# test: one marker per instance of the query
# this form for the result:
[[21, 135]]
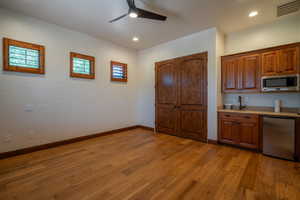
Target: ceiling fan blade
[[131, 3], [118, 18], [150, 15]]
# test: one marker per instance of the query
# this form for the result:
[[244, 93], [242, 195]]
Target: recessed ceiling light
[[253, 14], [133, 15], [135, 39]]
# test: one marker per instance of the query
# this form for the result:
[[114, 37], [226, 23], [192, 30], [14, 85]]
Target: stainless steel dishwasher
[[279, 137]]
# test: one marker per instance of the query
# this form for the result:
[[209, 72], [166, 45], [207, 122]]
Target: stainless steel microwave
[[280, 83]]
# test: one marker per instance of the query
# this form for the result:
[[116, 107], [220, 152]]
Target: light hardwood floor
[[139, 165]]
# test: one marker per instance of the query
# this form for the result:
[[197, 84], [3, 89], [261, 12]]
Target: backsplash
[[291, 100]]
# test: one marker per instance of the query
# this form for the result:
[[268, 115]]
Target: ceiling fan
[[135, 12]]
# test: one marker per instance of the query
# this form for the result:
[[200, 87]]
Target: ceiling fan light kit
[[135, 12]]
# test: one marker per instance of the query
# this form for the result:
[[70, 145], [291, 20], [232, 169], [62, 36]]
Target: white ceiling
[[184, 17]]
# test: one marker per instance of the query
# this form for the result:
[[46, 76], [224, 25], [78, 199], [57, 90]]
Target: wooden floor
[[139, 165]]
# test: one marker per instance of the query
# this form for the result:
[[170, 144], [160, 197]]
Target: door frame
[[205, 54]]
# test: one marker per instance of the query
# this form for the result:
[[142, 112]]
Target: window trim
[[10, 42], [85, 57], [124, 66]]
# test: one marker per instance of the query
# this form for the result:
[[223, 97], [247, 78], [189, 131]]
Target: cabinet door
[[269, 63], [248, 135], [250, 76], [166, 97], [229, 74], [228, 131], [288, 61]]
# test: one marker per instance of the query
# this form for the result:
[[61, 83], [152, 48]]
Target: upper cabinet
[[280, 62], [269, 63], [229, 74], [242, 72], [289, 60]]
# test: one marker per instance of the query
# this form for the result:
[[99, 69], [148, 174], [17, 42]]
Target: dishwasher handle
[[278, 117]]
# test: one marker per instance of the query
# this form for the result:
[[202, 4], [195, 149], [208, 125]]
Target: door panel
[[193, 95], [251, 72], [167, 119], [289, 61], [229, 73], [269, 63], [248, 135], [166, 97], [193, 124], [227, 131], [166, 84], [191, 80]]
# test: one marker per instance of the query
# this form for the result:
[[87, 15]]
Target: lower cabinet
[[240, 130]]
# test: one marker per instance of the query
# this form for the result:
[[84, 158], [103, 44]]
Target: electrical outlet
[[28, 108]]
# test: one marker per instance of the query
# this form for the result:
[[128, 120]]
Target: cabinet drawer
[[240, 117]]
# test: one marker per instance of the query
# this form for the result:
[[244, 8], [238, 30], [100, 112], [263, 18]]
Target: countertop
[[263, 111]]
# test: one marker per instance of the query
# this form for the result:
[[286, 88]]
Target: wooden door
[[228, 131], [181, 97], [230, 74], [250, 76], [248, 135], [192, 101], [166, 97], [288, 61], [269, 63]]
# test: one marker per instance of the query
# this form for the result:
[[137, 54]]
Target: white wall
[[63, 108], [283, 31], [196, 43]]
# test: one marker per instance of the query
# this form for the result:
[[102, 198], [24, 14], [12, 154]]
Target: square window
[[23, 57], [82, 66], [118, 71]]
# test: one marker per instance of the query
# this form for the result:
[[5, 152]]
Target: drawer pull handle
[[227, 116], [247, 117]]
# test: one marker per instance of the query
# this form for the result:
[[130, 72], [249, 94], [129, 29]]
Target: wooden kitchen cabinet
[[239, 129], [230, 74], [269, 63], [289, 61], [241, 74], [281, 62]]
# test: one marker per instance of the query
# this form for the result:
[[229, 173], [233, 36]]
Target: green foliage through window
[[81, 66], [23, 57]]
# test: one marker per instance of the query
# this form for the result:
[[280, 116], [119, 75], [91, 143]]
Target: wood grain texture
[[6, 67], [181, 96], [269, 63], [241, 130], [289, 61], [241, 73], [251, 73], [139, 165], [64, 142]]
